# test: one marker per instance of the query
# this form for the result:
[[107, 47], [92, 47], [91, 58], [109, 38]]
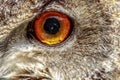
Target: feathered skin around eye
[[92, 52]]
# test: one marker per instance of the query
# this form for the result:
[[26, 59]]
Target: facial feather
[[92, 51]]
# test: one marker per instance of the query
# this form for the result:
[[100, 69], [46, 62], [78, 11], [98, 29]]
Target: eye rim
[[32, 36]]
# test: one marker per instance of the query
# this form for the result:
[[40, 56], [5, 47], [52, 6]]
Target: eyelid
[[30, 31]]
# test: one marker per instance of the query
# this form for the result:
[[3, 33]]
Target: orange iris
[[52, 27]]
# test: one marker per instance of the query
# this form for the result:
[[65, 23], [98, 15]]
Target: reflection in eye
[[52, 27]]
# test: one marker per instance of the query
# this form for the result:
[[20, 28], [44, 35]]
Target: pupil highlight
[[51, 25]]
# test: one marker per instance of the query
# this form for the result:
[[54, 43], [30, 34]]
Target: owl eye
[[52, 27]]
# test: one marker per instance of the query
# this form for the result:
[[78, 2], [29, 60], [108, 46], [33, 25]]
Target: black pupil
[[51, 25]]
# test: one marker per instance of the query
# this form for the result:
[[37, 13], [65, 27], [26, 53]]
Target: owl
[[59, 40]]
